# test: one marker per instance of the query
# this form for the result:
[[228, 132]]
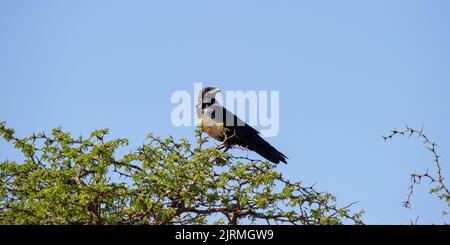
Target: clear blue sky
[[347, 72]]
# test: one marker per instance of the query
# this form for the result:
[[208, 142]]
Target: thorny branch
[[437, 178]]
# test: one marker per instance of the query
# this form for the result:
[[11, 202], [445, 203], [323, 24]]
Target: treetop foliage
[[85, 180]]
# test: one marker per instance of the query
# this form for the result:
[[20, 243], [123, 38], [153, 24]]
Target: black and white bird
[[226, 127]]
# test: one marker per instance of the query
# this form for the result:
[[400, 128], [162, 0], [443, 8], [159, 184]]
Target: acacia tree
[[74, 180]]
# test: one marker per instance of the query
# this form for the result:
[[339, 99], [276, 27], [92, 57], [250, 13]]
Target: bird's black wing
[[240, 133]]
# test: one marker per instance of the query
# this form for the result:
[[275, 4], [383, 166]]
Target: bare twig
[[437, 178]]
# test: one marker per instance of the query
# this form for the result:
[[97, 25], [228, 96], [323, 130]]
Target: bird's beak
[[216, 90]]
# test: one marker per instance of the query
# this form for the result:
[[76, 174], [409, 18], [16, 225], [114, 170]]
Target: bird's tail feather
[[266, 150]]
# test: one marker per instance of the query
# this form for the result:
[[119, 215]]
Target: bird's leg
[[224, 142], [223, 145]]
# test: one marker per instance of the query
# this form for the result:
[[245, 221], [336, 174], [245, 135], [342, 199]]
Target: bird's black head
[[207, 95]]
